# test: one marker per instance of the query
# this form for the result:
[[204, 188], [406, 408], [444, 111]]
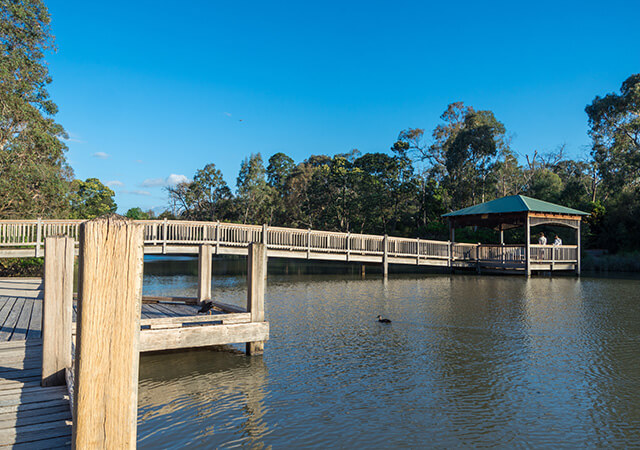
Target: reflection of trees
[[201, 398]]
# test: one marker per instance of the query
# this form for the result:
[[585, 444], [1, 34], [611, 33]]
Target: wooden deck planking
[[21, 318], [35, 324], [22, 325], [30, 416], [12, 319], [6, 305]]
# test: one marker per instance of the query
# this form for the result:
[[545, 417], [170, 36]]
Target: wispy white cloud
[[228, 114], [139, 161], [145, 193], [154, 182], [171, 180], [101, 155], [114, 183]]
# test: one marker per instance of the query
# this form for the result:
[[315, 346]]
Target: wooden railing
[[31, 234], [555, 253]]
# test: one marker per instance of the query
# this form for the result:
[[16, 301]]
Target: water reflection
[[195, 398], [467, 361]]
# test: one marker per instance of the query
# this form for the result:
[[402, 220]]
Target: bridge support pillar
[[385, 256], [204, 272], [527, 234], [256, 284], [578, 249]]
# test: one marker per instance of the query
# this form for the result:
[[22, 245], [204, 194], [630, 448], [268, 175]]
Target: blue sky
[[149, 92]]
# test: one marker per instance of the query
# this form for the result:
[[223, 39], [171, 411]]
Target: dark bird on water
[[206, 307], [381, 320]]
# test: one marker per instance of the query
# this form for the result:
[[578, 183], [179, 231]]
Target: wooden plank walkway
[[31, 417], [34, 417]]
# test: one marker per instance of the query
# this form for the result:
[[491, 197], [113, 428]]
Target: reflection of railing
[[31, 234]]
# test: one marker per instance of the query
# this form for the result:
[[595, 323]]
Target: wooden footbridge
[[25, 238]]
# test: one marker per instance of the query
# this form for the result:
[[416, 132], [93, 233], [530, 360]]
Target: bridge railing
[[31, 234], [555, 253]]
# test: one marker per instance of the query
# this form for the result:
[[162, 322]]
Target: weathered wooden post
[[107, 350], [58, 307], [348, 247], [204, 272], [164, 236], [527, 234], [256, 281], [38, 237], [578, 249], [217, 237], [385, 256]]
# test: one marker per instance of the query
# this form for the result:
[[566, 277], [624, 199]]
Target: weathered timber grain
[[204, 272], [58, 306], [256, 283], [107, 350], [192, 337]]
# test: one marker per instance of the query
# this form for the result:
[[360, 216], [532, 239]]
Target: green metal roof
[[515, 203]]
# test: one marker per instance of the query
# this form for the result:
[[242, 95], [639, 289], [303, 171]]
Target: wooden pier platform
[[36, 417], [31, 416]]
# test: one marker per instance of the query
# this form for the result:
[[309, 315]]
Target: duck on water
[[381, 320]]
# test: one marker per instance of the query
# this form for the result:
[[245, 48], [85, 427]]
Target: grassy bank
[[21, 267], [620, 262]]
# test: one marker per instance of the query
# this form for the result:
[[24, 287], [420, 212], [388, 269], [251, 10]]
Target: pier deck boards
[[36, 417], [31, 416]]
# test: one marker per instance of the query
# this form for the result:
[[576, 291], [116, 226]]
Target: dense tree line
[[466, 160]]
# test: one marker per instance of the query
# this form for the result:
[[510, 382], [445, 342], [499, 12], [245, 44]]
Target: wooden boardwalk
[[31, 416]]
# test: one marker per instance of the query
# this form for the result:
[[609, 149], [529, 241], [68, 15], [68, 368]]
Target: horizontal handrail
[[32, 232]]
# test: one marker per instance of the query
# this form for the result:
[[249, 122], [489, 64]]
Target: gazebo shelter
[[512, 212]]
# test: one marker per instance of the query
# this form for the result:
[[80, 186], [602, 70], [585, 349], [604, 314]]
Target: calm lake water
[[468, 361]]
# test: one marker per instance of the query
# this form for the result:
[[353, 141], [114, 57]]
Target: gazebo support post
[[452, 243], [579, 248], [527, 233], [502, 244]]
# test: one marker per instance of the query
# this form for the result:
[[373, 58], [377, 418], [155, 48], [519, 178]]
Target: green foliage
[[254, 194], [137, 214], [614, 127], [22, 267], [90, 199], [35, 175]]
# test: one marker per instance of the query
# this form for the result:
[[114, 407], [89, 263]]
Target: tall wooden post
[[204, 272], [256, 281], [164, 236], [578, 243], [107, 350], [527, 234], [38, 237], [452, 243], [385, 256], [58, 307]]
